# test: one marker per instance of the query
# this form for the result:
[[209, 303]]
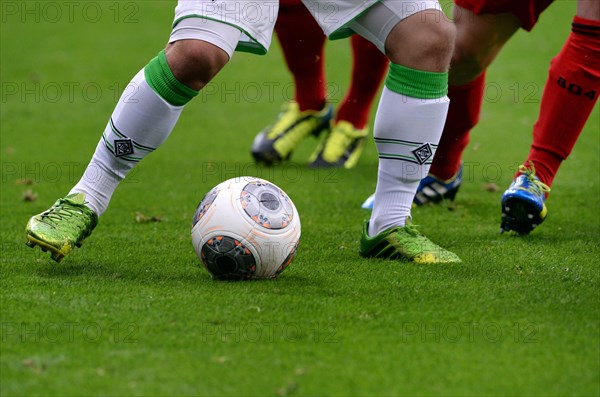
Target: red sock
[[302, 42], [463, 114], [570, 93], [368, 70]]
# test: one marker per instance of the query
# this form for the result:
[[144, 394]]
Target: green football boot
[[342, 147], [64, 225], [405, 243], [277, 141]]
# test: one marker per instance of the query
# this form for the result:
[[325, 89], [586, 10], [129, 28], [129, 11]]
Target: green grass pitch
[[132, 313]]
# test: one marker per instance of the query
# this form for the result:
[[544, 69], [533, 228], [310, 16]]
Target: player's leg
[[569, 97], [479, 39], [344, 144], [302, 43], [143, 118], [408, 124], [483, 28]]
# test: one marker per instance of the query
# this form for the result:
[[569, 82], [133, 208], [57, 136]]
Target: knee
[[423, 41], [439, 43], [195, 62]]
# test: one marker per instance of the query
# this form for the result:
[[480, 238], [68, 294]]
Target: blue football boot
[[523, 207], [432, 190]]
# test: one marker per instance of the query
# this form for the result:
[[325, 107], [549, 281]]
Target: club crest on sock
[[123, 147], [423, 153]]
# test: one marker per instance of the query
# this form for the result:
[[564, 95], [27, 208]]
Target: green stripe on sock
[[160, 77], [416, 83]]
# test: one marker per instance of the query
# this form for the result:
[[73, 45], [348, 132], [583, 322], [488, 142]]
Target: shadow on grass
[[187, 274]]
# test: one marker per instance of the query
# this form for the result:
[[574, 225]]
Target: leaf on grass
[[36, 365], [518, 270], [29, 196], [24, 181], [288, 389], [141, 218], [490, 187]]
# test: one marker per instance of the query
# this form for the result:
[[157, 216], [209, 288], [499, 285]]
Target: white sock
[[407, 131], [141, 122]]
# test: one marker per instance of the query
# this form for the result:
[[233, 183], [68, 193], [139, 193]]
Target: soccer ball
[[246, 228]]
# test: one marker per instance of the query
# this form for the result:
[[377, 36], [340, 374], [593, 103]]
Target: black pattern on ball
[[286, 262], [227, 259]]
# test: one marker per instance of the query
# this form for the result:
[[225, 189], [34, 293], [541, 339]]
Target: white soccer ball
[[246, 228]]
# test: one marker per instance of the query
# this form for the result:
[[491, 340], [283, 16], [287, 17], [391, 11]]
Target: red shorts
[[528, 11], [283, 3]]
